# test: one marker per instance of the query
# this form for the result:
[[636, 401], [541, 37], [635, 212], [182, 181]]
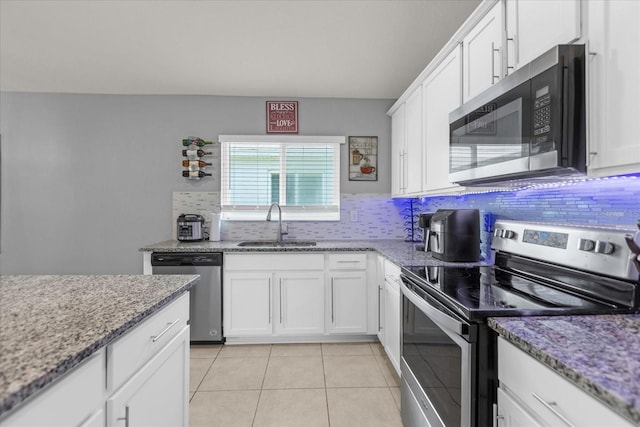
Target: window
[[300, 173]]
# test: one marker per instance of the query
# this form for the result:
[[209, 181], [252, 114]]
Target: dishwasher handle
[[176, 259]]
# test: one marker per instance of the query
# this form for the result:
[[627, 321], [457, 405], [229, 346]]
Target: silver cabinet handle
[[126, 416], [348, 262], [510, 67], [405, 173], [332, 300], [155, 338], [551, 406], [493, 63], [269, 300], [379, 308], [281, 301], [401, 170]]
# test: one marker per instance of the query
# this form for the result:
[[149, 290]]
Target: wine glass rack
[[193, 152]]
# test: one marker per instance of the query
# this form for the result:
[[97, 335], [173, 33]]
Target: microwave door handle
[[567, 105], [437, 316]]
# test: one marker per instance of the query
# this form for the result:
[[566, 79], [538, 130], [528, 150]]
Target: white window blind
[[300, 173]]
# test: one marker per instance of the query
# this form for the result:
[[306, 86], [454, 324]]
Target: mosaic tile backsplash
[[363, 216], [605, 201]]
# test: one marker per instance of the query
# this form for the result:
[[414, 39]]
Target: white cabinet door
[[614, 86], [413, 150], [247, 308], [348, 302], [158, 394], [381, 299], [482, 48], [511, 414], [442, 94], [392, 323], [535, 26], [398, 139], [300, 303], [546, 395], [72, 400]]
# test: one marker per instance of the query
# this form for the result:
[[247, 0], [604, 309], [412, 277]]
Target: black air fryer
[[455, 235]]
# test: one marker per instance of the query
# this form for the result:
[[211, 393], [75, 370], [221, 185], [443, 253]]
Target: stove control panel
[[588, 248]]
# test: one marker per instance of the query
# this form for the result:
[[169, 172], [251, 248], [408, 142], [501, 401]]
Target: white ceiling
[[292, 48]]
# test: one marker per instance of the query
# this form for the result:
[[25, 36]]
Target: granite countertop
[[49, 324], [397, 251], [599, 354]]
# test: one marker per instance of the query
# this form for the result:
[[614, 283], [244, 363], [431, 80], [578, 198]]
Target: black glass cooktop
[[479, 292]]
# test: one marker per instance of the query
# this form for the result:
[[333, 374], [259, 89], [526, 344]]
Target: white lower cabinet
[[532, 394], [511, 413], [157, 395], [247, 303], [299, 304], [294, 295], [141, 379], [381, 297], [392, 313], [74, 400], [348, 304]]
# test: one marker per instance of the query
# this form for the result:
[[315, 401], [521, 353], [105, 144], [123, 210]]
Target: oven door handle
[[437, 316]]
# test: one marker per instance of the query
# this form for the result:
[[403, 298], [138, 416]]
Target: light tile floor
[[293, 385]]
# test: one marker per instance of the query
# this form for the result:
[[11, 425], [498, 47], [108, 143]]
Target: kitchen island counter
[[599, 354], [396, 251], [50, 324]]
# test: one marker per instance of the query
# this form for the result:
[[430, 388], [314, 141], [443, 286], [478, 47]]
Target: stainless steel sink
[[274, 244]]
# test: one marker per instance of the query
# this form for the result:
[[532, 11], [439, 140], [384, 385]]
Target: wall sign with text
[[282, 116]]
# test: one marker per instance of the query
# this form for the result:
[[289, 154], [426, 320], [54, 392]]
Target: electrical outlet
[[354, 216]]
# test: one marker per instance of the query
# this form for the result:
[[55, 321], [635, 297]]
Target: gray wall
[[87, 179]]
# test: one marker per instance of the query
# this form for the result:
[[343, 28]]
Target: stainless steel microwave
[[529, 125]]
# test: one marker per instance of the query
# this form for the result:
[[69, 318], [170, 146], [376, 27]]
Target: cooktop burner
[[480, 292]]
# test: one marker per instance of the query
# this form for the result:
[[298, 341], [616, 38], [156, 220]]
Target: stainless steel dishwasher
[[205, 312]]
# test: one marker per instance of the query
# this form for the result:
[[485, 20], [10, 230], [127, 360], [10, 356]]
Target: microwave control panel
[[542, 115]]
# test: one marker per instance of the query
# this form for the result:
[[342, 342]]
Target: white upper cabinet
[[413, 148], [613, 86], [406, 146], [398, 137], [442, 94], [483, 48], [535, 26]]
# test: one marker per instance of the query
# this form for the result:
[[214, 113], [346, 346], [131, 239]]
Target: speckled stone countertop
[[49, 324], [599, 354], [397, 251]]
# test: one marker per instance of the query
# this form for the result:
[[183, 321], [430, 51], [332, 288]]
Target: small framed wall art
[[363, 158], [282, 116]]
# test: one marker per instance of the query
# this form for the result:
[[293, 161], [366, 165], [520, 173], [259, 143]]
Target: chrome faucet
[[280, 232]]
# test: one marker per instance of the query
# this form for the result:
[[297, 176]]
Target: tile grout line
[[324, 380], [264, 377], [204, 376]]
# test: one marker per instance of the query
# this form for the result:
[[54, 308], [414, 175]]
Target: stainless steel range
[[449, 372]]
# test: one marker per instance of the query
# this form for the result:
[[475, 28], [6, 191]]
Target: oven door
[[438, 359]]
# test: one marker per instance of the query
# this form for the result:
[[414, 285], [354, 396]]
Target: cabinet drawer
[[271, 262], [126, 355], [69, 401], [346, 261], [525, 378]]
